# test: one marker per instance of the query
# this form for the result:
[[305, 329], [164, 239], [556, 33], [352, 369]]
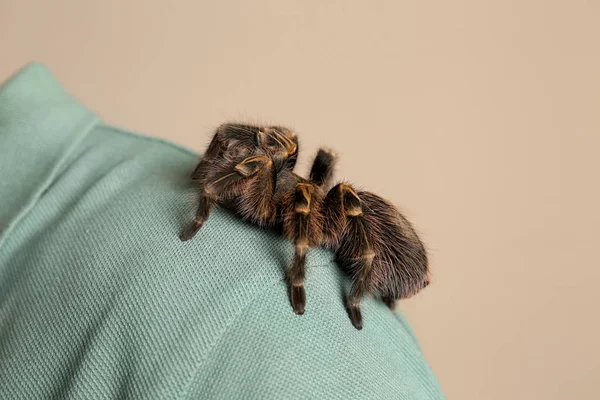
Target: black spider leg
[[296, 273], [214, 149], [217, 185], [322, 167], [389, 301], [355, 252], [205, 203]]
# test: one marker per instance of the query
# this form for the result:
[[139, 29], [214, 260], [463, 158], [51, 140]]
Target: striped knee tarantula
[[250, 169]]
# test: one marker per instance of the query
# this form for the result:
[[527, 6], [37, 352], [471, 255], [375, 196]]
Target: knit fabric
[[99, 299]]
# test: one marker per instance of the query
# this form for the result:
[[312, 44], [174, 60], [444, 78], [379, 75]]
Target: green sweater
[[100, 299]]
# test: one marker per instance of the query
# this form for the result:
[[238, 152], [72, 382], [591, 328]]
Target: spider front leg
[[223, 183], [214, 150], [230, 141], [205, 203], [353, 250]]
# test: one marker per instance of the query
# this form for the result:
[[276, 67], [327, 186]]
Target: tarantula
[[250, 169]]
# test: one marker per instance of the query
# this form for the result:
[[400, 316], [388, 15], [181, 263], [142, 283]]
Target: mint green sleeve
[[100, 300]]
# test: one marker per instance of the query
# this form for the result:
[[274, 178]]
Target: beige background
[[479, 118]]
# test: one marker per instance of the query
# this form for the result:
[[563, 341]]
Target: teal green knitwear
[[99, 299]]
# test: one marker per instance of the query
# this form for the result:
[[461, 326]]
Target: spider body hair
[[399, 267], [239, 170]]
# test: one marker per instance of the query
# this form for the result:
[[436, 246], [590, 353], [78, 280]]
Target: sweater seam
[[186, 390], [82, 128]]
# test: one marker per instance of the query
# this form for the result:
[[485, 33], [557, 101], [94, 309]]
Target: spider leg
[[205, 203], [256, 201], [389, 301], [245, 138], [355, 251], [322, 167], [302, 199], [220, 185], [360, 286], [213, 150]]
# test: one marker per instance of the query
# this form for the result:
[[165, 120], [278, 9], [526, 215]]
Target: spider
[[250, 170]]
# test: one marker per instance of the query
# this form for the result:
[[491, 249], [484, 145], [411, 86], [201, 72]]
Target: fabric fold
[[40, 123]]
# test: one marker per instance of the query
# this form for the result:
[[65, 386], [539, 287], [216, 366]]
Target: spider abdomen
[[400, 266]]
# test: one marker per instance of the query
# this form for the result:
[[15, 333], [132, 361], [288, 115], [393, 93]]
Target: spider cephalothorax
[[239, 168], [250, 169]]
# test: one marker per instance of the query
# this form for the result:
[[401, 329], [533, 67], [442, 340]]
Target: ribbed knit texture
[[100, 300]]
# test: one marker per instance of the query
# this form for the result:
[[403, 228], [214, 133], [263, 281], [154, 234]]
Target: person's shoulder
[[229, 283], [94, 277]]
